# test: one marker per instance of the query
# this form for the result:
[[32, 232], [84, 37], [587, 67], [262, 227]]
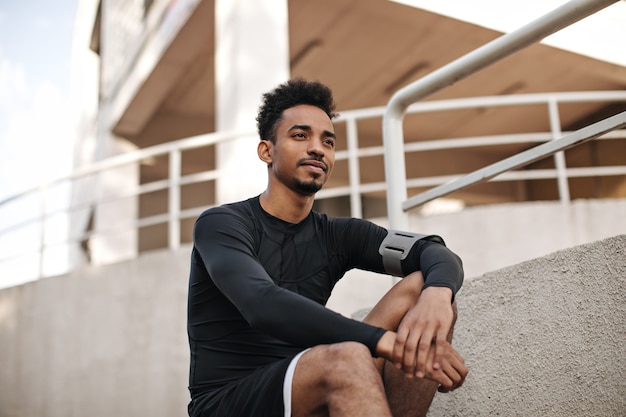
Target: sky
[[599, 36], [35, 48], [36, 125]]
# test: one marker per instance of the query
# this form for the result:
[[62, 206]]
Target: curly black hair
[[292, 93]]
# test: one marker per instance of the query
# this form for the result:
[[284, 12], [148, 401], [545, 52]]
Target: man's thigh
[[336, 377]]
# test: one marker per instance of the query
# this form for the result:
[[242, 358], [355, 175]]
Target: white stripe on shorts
[[288, 382]]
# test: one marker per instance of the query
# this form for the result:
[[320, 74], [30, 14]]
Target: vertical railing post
[[175, 162], [354, 172], [395, 166], [42, 231], [559, 157]]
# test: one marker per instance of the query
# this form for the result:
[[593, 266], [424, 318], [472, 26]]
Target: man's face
[[303, 155]]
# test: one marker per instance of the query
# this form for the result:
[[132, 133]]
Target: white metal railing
[[474, 61], [352, 154], [524, 158]]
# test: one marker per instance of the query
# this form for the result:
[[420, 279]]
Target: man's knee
[[340, 376], [412, 284], [347, 353], [343, 361]]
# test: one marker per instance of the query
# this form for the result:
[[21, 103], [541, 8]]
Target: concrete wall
[[497, 236], [102, 342], [545, 337], [492, 237]]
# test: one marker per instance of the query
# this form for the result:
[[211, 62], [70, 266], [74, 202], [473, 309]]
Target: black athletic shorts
[[259, 394]]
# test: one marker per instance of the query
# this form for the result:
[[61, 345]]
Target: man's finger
[[440, 347], [410, 352], [398, 347], [423, 347], [456, 366], [455, 376]]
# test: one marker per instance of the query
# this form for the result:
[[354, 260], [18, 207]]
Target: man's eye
[[330, 142], [299, 135]]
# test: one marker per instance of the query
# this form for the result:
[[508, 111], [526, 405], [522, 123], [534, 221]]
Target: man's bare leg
[[341, 379], [338, 380], [407, 397]]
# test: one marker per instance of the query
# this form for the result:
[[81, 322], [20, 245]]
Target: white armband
[[396, 247]]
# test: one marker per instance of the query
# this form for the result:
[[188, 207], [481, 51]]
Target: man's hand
[[452, 372], [425, 325], [420, 347]]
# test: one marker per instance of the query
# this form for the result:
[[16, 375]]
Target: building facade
[[170, 70], [167, 92]]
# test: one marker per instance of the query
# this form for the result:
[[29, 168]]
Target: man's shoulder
[[241, 210], [338, 224], [341, 220]]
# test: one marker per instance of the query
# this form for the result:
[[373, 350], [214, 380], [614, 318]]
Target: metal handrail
[[350, 116], [476, 60], [522, 159], [354, 188]]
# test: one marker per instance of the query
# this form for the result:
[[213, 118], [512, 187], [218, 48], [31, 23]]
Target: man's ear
[[264, 150]]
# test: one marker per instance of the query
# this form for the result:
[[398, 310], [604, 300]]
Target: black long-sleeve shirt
[[242, 314]]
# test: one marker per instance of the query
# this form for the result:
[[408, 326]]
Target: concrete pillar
[[115, 235], [84, 79], [252, 57], [115, 209]]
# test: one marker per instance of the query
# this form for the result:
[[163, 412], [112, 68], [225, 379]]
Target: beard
[[308, 188]]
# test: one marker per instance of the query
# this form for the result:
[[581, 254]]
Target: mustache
[[314, 161]]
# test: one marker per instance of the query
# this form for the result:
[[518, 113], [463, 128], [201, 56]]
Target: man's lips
[[315, 163]]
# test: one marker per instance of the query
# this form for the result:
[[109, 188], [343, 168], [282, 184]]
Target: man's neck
[[288, 206]]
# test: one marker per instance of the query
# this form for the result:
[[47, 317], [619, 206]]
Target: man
[[262, 343]]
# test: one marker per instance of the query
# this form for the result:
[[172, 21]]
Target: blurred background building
[[168, 93]]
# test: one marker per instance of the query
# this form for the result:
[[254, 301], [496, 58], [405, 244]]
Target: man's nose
[[315, 147]]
